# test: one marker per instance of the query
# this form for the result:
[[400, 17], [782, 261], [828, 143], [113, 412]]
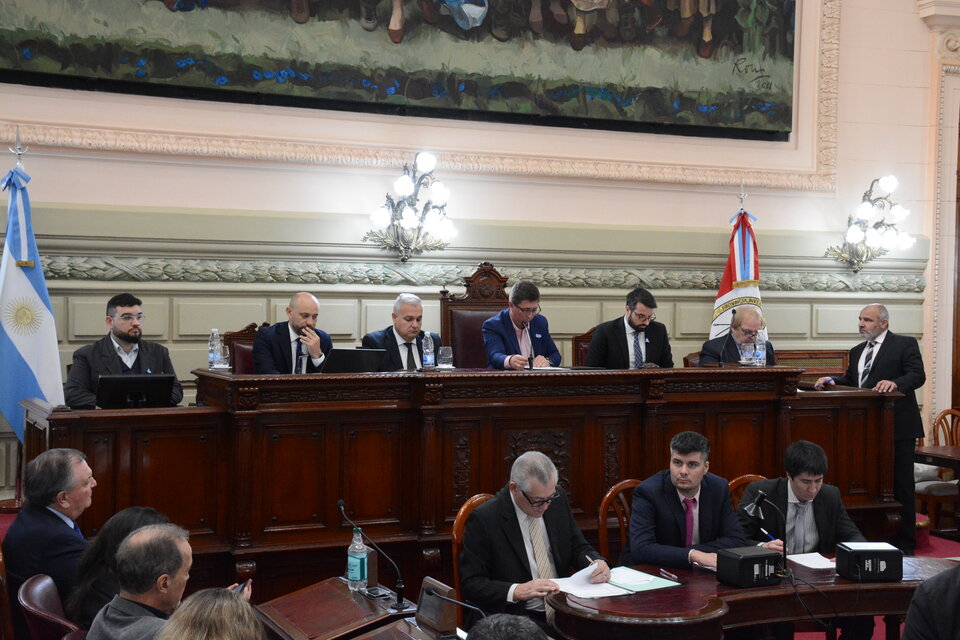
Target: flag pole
[[19, 150]]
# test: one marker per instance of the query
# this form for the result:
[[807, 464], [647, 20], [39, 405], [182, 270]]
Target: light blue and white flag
[[29, 355]]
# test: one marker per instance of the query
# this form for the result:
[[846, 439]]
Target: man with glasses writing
[[519, 336], [515, 543], [633, 341], [739, 342], [121, 351]]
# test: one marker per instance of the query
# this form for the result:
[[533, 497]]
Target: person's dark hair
[[122, 300], [48, 474], [804, 456], [524, 291], [505, 626], [148, 553], [100, 561], [687, 442], [642, 296]]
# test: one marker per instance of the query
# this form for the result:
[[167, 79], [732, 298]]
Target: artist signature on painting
[[755, 73]]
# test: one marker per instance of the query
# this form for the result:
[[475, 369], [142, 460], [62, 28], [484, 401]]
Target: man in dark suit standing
[[519, 333], [524, 536], [683, 515], [403, 341], [739, 342], [634, 340], [294, 346], [816, 520], [121, 351], [887, 362], [44, 538]]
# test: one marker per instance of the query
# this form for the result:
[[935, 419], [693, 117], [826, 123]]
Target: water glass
[[445, 358]]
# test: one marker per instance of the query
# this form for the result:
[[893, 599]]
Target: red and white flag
[[741, 278]]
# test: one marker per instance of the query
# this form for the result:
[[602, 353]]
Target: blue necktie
[[296, 362], [637, 351], [76, 530]]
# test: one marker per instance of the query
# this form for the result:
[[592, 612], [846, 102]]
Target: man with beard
[[890, 362], [294, 346], [122, 351], [633, 341]]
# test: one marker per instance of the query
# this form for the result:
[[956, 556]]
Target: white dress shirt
[[402, 348], [128, 358]]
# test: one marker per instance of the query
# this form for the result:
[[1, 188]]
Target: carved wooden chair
[[933, 488], [456, 541], [692, 359], [619, 498], [240, 347], [738, 486], [815, 362], [463, 315], [581, 346]]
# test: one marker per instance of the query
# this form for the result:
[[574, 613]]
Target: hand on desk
[[539, 588], [885, 385], [601, 572], [703, 558], [826, 381], [774, 545]]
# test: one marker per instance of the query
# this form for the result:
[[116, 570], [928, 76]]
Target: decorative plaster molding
[[948, 45], [156, 269], [822, 178], [940, 14]]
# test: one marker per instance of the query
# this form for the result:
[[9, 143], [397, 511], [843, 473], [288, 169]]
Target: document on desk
[[813, 560], [579, 585], [638, 580]]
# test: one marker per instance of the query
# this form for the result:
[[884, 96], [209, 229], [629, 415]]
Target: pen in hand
[[767, 533]]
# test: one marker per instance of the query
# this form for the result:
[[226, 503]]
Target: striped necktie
[[799, 527], [542, 558], [867, 361], [637, 351]]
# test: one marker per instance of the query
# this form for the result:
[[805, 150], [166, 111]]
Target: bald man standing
[[294, 346]]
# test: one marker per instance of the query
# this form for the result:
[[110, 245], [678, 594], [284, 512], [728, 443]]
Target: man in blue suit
[[683, 515], [519, 332], [403, 341], [281, 348], [58, 487]]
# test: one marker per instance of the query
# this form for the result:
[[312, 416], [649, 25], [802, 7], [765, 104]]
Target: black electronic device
[[869, 562], [353, 360], [135, 390], [748, 567]]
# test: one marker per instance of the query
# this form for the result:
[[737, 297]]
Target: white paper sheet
[[813, 560], [579, 585]]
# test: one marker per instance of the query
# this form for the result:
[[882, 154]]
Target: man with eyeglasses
[[517, 541], [519, 335], [634, 341], [121, 351], [739, 342]]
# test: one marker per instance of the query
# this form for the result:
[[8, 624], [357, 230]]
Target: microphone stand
[[726, 338], [431, 592], [754, 511], [398, 606]]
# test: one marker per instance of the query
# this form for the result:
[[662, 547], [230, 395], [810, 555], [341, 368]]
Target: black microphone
[[398, 605], [431, 592], [753, 510], [726, 337]]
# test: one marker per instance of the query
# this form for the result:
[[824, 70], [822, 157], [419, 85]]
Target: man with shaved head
[[885, 362], [294, 346]]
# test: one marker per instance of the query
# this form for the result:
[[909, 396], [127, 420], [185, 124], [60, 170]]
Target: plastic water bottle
[[760, 351], [429, 357], [357, 562], [214, 347]]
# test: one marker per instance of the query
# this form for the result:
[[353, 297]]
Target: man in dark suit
[[887, 362], [519, 333], [516, 542], [44, 538], [294, 346], [816, 520], [683, 515], [740, 342], [403, 341], [933, 612], [634, 340], [121, 351]]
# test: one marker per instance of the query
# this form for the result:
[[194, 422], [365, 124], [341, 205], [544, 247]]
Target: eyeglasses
[[130, 317], [748, 334], [530, 312], [540, 502], [642, 318]]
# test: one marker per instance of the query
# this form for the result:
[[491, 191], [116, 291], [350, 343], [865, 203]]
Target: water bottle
[[429, 357], [760, 350], [357, 562], [214, 347]]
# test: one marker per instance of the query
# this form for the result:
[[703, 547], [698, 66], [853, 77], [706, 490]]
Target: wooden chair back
[[43, 610], [946, 428], [456, 541], [240, 347], [618, 498], [692, 359], [463, 315], [815, 362], [738, 486], [581, 346]]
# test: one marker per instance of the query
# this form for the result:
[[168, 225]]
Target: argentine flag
[[29, 356]]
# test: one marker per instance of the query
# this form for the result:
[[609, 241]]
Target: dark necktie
[[866, 363], [76, 530], [799, 528], [411, 361], [688, 506], [637, 351], [296, 361]]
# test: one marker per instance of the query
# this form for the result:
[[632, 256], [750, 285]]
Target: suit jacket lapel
[[779, 498], [671, 499], [880, 354], [620, 348], [283, 342], [393, 349], [705, 508], [512, 332], [109, 358], [511, 530]]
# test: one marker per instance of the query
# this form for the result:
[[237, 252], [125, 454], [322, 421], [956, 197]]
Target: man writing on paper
[[517, 541], [519, 333]]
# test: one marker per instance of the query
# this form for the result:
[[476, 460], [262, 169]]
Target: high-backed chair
[[815, 362], [738, 486], [692, 359], [43, 610], [618, 497], [462, 316], [581, 346], [240, 347], [932, 489], [6, 615], [456, 540]]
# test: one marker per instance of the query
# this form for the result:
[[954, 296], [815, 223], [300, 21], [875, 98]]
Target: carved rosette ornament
[[553, 443], [948, 46], [248, 398], [433, 394]]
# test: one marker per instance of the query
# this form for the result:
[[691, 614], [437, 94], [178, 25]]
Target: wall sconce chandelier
[[869, 234], [416, 219]]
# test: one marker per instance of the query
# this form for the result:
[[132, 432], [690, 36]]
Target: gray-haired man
[[403, 341]]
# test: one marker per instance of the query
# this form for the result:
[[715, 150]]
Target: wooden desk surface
[[941, 455], [704, 607]]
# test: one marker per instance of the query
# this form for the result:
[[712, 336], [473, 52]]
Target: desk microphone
[[726, 337], [754, 511], [431, 592], [398, 588]]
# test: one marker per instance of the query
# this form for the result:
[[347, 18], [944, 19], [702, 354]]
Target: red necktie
[[688, 505]]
